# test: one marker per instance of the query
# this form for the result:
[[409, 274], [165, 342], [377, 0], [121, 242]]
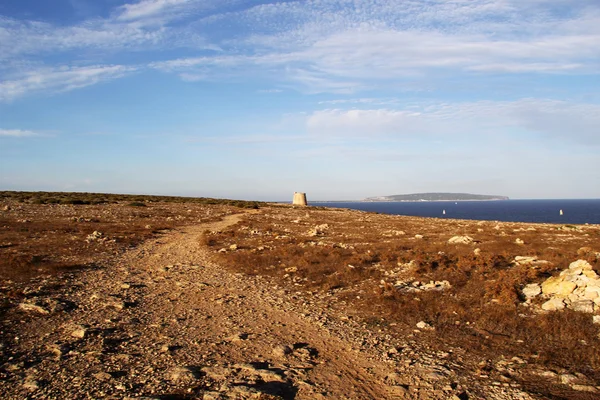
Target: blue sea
[[543, 211]]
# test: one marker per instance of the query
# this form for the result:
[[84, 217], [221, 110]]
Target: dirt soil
[[169, 318]]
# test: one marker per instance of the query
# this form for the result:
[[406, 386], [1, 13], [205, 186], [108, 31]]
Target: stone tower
[[299, 199]]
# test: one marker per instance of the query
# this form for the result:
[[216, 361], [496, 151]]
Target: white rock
[[519, 241], [424, 325], [531, 290], [33, 308], [460, 240], [553, 304], [580, 263], [586, 306]]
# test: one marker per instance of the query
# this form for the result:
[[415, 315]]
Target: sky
[[341, 99]]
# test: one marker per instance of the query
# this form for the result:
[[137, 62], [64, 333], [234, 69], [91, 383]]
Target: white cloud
[[554, 120], [59, 79], [19, 133], [148, 8]]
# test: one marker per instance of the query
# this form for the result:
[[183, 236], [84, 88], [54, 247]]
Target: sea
[[584, 211]]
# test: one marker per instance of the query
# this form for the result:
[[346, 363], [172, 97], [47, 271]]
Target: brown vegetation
[[363, 259]]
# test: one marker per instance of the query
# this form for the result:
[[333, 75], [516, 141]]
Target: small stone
[[418, 236], [519, 241], [79, 332], [460, 240], [102, 376], [596, 319], [282, 351], [33, 308], [181, 374], [531, 290], [567, 378], [31, 384], [424, 325], [233, 247], [553, 305], [586, 306], [584, 388]]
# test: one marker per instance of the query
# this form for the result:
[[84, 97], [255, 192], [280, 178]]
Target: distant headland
[[436, 197]]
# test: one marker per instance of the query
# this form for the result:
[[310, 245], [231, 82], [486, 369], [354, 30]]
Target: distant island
[[436, 197]]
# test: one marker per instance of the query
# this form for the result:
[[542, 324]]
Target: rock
[[460, 240], [31, 384], [418, 236], [596, 319], [553, 304], [79, 332], [519, 241], [6, 208], [477, 251], [567, 378], [318, 230], [102, 376], [94, 236], [282, 351], [557, 286], [33, 308], [424, 325], [584, 388], [586, 306], [233, 247], [181, 374], [580, 264], [531, 290]]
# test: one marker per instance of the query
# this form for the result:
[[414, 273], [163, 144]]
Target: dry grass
[[483, 312], [43, 233]]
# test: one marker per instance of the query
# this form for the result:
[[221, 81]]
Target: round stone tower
[[299, 199]]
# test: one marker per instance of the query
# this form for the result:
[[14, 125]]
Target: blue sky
[[341, 99]]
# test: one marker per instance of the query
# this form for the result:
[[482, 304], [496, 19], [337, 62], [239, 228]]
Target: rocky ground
[[170, 319]]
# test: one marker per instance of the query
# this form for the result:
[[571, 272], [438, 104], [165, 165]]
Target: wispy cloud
[[149, 8], [17, 133], [551, 119], [60, 79], [327, 46]]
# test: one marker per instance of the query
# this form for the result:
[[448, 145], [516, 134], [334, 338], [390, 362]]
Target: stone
[[584, 388], [424, 325], [567, 378], [519, 241], [181, 374], [557, 286], [102, 376], [553, 304], [282, 351], [79, 332], [477, 251], [460, 240], [580, 264], [233, 247], [596, 319], [586, 306], [531, 290], [525, 260], [33, 308], [31, 384]]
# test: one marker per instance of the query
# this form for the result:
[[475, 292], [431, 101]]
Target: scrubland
[[393, 279]]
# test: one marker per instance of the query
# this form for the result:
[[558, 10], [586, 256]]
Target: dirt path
[[167, 322]]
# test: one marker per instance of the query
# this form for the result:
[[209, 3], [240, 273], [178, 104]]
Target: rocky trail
[[164, 321]]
